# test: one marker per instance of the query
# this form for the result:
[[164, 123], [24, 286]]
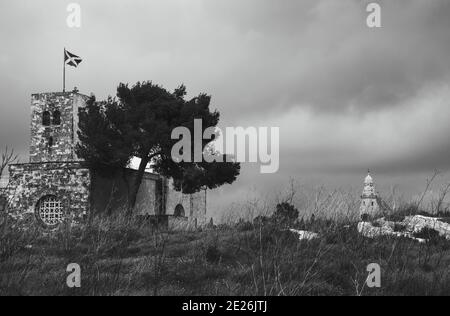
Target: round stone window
[[50, 210]]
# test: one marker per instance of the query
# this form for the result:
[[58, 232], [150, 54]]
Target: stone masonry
[[56, 185], [370, 202], [68, 181], [56, 140]]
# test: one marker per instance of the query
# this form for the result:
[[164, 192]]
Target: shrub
[[210, 250], [244, 226], [429, 234], [285, 215], [213, 254], [261, 220], [13, 238]]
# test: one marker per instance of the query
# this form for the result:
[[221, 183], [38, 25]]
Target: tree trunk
[[136, 184]]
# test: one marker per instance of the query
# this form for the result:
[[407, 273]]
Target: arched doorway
[[179, 211]]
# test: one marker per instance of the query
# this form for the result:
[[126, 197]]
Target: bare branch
[[8, 156], [427, 188], [441, 198]]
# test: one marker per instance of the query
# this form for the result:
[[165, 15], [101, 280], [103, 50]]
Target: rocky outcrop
[[368, 230], [418, 223], [407, 228]]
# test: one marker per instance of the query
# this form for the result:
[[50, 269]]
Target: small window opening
[[56, 118], [46, 118], [50, 143]]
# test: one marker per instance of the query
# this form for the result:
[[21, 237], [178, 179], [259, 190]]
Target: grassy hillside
[[122, 257]]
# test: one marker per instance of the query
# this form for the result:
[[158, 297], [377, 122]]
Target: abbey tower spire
[[369, 199]]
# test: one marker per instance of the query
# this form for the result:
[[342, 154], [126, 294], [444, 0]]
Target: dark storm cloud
[[323, 55], [345, 96]]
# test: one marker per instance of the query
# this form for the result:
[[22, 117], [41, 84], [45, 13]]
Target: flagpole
[[64, 71]]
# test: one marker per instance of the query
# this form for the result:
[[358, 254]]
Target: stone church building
[[56, 185]]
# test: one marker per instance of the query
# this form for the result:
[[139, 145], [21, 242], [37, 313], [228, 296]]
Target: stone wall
[[194, 206], [55, 142], [198, 208], [174, 198], [156, 196], [68, 181], [82, 192], [111, 194], [370, 207]]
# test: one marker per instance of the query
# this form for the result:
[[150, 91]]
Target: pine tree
[[139, 123]]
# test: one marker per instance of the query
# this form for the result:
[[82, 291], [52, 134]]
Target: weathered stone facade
[[55, 140], [156, 197], [370, 202], [56, 185], [193, 208], [67, 181]]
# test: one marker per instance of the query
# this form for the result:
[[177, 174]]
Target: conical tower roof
[[369, 179]]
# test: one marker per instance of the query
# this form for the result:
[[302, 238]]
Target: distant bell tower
[[54, 123], [369, 199]]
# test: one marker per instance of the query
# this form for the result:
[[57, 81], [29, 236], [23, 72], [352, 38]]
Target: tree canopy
[[139, 123]]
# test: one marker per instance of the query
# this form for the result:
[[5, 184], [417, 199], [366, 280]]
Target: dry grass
[[122, 256], [119, 256]]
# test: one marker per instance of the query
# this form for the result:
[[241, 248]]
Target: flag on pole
[[71, 59]]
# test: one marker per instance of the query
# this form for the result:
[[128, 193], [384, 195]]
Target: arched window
[[50, 142], [179, 211], [46, 118], [56, 118], [49, 211]]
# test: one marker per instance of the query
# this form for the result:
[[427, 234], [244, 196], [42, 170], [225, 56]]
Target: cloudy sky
[[346, 97]]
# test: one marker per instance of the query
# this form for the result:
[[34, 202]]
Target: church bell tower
[[369, 199], [54, 121]]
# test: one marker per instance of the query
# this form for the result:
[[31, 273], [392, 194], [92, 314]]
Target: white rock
[[304, 235], [368, 230], [418, 222]]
